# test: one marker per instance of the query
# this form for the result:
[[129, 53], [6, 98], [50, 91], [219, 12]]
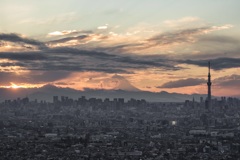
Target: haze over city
[[152, 45]]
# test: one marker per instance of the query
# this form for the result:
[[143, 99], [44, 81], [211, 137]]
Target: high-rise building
[[209, 83], [201, 100], [55, 99]]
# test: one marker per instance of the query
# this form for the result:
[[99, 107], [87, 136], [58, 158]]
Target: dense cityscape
[[118, 129]]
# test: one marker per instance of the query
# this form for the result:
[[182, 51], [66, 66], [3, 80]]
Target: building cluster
[[118, 129]]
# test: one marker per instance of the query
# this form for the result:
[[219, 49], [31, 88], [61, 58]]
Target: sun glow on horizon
[[13, 86], [18, 86]]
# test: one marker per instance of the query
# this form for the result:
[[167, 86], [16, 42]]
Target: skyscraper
[[55, 99], [209, 83]]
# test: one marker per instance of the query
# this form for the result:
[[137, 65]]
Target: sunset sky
[[153, 45]]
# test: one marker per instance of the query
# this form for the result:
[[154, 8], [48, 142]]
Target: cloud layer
[[12, 37], [216, 64], [183, 83], [64, 53]]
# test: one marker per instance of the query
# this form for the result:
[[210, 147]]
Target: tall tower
[[209, 83]]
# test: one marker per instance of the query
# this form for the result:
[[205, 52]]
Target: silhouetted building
[[62, 99], [55, 99], [25, 100], [201, 100], [209, 83]]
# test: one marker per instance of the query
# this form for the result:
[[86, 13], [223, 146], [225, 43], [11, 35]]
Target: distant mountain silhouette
[[123, 84], [117, 82], [48, 91]]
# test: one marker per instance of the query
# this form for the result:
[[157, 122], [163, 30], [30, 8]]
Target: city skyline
[[151, 46]]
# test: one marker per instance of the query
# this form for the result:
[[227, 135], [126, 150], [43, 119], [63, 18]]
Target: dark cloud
[[77, 52], [180, 36], [80, 38], [216, 64], [212, 47], [63, 83], [169, 38], [119, 48], [79, 67], [32, 77], [148, 61], [219, 39], [8, 64], [183, 83], [23, 56], [72, 59], [52, 64], [49, 76], [63, 40], [15, 38], [228, 81]]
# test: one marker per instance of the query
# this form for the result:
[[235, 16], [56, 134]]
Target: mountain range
[[48, 91]]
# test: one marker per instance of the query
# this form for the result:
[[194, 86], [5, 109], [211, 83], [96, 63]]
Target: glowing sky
[[153, 45]]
